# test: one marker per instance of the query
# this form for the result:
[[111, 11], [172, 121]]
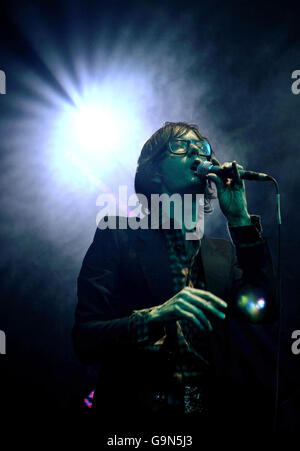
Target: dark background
[[225, 65]]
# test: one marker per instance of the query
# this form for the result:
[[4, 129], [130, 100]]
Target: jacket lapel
[[153, 258], [215, 266]]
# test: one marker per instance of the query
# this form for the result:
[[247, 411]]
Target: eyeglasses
[[182, 146]]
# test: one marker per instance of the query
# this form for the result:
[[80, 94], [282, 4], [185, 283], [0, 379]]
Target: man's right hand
[[189, 304]]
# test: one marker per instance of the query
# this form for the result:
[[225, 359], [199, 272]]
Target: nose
[[194, 150]]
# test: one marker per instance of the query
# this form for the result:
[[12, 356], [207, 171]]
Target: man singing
[[154, 307]]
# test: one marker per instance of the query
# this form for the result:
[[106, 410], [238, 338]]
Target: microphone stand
[[279, 297]]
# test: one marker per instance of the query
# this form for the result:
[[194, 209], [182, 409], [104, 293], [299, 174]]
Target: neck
[[186, 214]]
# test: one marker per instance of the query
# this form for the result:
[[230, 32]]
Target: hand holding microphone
[[230, 188]]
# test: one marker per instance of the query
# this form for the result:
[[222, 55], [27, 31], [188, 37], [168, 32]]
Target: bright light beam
[[97, 135]]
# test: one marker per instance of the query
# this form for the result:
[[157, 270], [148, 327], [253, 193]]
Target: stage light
[[250, 304], [95, 135], [88, 400], [97, 130], [260, 303]]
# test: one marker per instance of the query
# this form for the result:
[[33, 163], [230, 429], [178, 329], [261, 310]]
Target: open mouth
[[194, 166]]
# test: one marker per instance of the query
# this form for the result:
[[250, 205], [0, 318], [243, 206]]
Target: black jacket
[[126, 270]]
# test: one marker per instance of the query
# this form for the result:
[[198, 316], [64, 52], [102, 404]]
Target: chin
[[197, 186], [195, 189]]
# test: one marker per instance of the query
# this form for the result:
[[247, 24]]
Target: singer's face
[[177, 171]]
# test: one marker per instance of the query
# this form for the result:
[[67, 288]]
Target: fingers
[[189, 316], [236, 173], [187, 306], [233, 171], [208, 306], [191, 304], [207, 295], [201, 303], [215, 162], [217, 180], [213, 177], [229, 165]]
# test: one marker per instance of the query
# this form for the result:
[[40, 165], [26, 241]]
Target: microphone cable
[[279, 297]]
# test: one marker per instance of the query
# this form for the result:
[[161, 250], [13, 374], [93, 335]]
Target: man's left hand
[[232, 195]]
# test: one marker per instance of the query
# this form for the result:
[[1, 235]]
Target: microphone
[[206, 167]]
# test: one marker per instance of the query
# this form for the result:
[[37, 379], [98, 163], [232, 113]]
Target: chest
[[149, 268]]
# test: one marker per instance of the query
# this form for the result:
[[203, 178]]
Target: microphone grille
[[203, 168]]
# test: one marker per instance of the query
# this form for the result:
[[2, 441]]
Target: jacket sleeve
[[254, 281], [99, 327]]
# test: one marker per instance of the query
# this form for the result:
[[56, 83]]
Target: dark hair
[[153, 149]]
